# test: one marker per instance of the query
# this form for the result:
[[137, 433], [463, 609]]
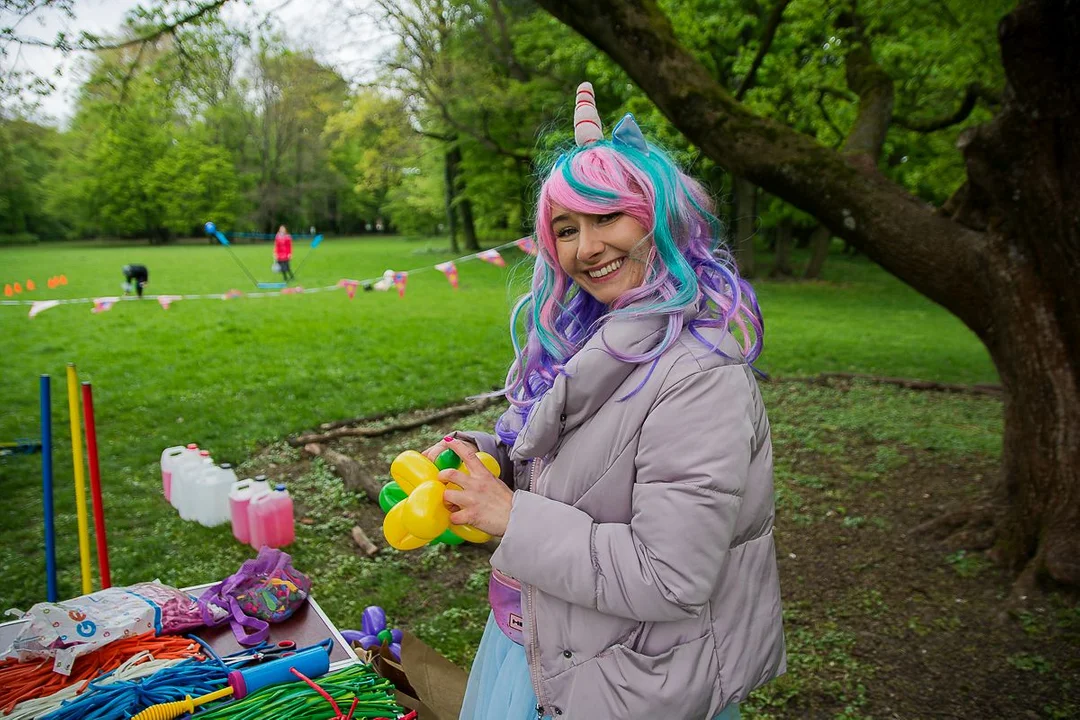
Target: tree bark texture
[[1005, 259], [782, 263], [450, 177], [819, 251], [462, 203], [745, 225]]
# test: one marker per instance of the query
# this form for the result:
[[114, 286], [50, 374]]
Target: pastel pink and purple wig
[[686, 268]]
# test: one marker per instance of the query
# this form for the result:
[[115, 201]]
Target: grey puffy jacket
[[642, 532]]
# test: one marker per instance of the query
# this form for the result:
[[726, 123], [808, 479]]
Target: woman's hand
[[436, 450], [484, 500]]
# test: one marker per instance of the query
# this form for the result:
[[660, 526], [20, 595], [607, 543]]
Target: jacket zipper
[[531, 601]]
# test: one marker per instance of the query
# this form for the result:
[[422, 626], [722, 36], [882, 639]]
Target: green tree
[[1002, 252]]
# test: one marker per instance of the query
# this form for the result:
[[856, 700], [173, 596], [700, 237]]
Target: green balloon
[[448, 460], [385, 637], [390, 495], [449, 538]]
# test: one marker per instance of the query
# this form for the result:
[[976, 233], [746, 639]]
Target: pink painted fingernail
[[448, 438]]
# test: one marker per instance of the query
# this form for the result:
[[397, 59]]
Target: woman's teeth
[[609, 268]]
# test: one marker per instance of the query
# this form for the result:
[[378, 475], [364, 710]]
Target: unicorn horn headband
[[588, 128]]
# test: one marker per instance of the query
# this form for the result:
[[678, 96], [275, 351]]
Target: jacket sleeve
[[496, 448], [692, 464]]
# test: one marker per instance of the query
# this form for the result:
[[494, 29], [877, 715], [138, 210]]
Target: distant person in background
[[135, 278], [283, 252]]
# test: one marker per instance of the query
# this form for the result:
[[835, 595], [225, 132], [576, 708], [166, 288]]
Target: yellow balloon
[[410, 468], [395, 533], [423, 515]]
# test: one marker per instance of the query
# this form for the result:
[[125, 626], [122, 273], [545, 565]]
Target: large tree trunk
[[819, 252], [1022, 184], [745, 225], [782, 260], [1006, 263], [451, 211], [462, 202]]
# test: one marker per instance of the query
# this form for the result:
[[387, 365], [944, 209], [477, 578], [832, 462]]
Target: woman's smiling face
[[599, 252]]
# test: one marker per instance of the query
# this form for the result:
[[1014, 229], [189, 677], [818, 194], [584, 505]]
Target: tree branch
[[168, 28], [972, 94], [763, 49], [934, 255]]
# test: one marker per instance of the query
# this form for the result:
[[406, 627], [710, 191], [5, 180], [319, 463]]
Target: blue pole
[[47, 488]]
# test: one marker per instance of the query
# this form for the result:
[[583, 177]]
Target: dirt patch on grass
[[880, 622]]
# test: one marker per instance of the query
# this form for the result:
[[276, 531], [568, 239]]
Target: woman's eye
[[565, 232], [609, 217]]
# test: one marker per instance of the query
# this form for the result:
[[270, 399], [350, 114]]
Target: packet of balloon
[[426, 682], [275, 268], [65, 630]]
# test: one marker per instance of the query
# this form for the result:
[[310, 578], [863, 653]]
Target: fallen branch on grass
[[348, 470], [363, 542], [824, 378], [452, 411]]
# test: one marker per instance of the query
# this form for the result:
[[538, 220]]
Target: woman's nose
[[590, 244]]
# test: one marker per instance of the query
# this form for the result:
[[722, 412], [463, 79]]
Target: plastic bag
[[65, 630], [275, 268], [265, 589]]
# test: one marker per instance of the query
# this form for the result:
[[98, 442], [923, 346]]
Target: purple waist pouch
[[504, 595]]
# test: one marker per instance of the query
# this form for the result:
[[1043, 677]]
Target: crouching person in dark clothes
[[135, 278]]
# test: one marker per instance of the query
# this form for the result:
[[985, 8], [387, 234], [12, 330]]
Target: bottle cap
[[280, 487], [260, 478], [192, 446], [226, 466], [204, 453]]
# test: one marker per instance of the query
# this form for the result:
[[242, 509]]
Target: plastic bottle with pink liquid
[[270, 519], [239, 498]]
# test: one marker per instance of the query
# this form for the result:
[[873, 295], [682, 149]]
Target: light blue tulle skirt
[[499, 685]]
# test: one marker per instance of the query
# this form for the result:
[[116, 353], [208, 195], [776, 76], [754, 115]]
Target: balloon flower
[[374, 633], [413, 501]]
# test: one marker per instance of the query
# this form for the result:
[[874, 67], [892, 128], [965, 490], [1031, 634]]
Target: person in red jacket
[[283, 252]]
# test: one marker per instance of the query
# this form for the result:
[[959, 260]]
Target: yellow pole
[[80, 478]]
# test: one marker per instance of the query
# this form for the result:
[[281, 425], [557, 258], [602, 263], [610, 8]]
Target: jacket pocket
[[621, 683]]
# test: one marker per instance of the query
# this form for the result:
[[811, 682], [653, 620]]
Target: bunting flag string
[[397, 279]]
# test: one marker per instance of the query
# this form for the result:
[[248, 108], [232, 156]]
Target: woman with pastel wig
[[636, 575]]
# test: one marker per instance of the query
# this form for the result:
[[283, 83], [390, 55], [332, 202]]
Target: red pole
[[95, 487]]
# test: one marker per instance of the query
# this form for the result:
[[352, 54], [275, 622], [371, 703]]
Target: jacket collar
[[588, 381]]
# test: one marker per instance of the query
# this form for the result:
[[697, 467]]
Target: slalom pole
[[228, 246], [80, 478], [47, 488], [314, 245], [95, 487]]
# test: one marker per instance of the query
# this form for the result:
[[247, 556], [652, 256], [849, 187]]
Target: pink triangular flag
[[526, 245], [350, 286], [166, 300], [400, 278], [104, 304], [450, 270], [492, 256], [232, 294], [41, 306], [292, 290]]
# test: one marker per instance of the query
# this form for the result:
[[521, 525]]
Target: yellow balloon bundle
[[415, 511]]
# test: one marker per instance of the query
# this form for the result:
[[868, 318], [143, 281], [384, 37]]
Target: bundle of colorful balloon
[[413, 501]]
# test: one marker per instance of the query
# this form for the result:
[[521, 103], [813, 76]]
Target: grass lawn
[[237, 376]]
